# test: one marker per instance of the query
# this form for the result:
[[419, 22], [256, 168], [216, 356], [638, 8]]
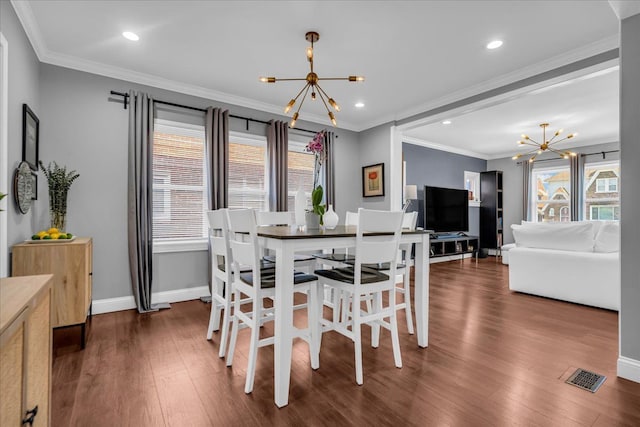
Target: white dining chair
[[362, 283], [259, 284]]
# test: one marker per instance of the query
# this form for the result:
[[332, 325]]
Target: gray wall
[[84, 131], [426, 166], [375, 147], [630, 207], [24, 87], [512, 180]]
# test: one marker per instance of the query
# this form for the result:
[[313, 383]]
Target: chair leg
[[214, 318], [234, 328], [407, 301], [226, 319], [375, 327], [337, 303], [393, 322], [357, 338], [253, 346], [313, 324]]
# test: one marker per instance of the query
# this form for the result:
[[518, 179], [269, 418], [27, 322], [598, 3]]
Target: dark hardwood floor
[[495, 358]]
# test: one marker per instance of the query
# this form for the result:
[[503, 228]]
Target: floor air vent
[[586, 380]]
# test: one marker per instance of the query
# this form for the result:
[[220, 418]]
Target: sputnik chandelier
[[545, 145], [312, 80]]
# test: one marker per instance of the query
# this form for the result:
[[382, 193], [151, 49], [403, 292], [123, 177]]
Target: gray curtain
[[526, 189], [576, 177], [140, 199], [329, 170], [278, 149], [217, 154]]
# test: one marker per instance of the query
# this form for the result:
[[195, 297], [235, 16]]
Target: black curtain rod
[[188, 107], [599, 153]]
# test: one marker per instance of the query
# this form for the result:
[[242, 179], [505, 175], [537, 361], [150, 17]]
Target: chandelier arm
[[533, 140], [559, 153], [560, 140], [531, 144], [320, 92], [290, 80], [324, 93], [333, 78], [303, 88], [304, 97]]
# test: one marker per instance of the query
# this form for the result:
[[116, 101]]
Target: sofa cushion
[[571, 236], [608, 238]]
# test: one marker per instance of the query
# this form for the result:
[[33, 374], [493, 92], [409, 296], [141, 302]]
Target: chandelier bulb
[[516, 157], [293, 120], [268, 79], [313, 96], [333, 119], [521, 142], [334, 104], [356, 78], [289, 106], [572, 154], [310, 53]]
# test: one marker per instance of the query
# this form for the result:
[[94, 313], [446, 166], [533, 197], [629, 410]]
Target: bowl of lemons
[[51, 235]]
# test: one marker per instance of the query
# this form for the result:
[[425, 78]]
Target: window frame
[[256, 141], [184, 244]]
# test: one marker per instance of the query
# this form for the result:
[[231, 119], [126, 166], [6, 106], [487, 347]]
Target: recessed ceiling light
[[494, 44], [130, 36], [359, 104], [446, 122]]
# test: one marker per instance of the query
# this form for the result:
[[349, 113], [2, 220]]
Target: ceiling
[[416, 55]]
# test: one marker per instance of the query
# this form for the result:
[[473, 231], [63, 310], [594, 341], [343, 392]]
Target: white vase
[[330, 218], [300, 205]]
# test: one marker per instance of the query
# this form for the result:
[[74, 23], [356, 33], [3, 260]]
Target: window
[[607, 185], [604, 213], [248, 175], [601, 191], [300, 172], [550, 194], [179, 185]]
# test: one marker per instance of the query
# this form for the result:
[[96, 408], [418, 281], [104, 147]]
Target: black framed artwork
[[30, 137], [373, 180]]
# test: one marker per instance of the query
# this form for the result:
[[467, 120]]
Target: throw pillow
[[576, 237], [608, 238]]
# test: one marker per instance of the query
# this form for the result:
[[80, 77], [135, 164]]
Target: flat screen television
[[446, 209]]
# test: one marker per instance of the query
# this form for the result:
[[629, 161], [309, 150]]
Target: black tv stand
[[453, 244]]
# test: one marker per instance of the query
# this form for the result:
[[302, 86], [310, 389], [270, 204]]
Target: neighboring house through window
[[550, 187], [601, 191]]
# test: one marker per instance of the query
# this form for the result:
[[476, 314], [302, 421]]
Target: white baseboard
[[109, 305], [629, 369]]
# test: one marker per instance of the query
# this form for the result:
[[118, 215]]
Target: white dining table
[[285, 241]]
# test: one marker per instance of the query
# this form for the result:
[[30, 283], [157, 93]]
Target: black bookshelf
[[491, 210]]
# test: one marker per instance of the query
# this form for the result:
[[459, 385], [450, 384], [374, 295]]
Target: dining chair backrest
[[409, 220], [351, 218], [218, 236], [274, 218], [379, 248], [244, 240]]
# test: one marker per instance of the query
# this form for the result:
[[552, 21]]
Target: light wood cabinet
[[25, 350], [71, 264]]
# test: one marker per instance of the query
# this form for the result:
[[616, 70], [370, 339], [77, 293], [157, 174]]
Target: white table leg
[[421, 303], [283, 322]]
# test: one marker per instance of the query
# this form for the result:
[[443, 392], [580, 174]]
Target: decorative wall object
[[373, 180], [23, 187], [30, 137]]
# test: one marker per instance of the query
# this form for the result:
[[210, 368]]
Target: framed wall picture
[[373, 180], [30, 137]]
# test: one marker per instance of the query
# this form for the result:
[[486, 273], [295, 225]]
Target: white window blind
[[248, 179], [179, 182], [300, 172]]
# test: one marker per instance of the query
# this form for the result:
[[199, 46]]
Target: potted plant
[[59, 181], [313, 217]]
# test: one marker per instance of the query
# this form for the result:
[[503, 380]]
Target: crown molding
[[428, 144], [29, 23], [558, 61]]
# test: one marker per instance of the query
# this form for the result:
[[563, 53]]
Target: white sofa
[[576, 262]]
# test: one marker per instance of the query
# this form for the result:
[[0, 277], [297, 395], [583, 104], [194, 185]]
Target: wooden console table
[[71, 264], [25, 350]]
